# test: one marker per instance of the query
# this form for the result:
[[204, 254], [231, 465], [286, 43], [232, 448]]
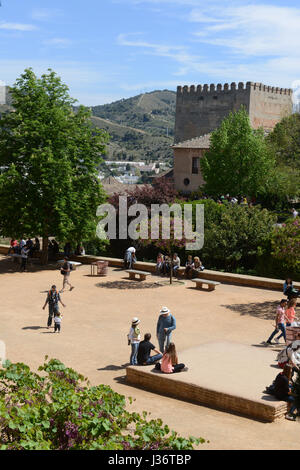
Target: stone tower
[[201, 109]]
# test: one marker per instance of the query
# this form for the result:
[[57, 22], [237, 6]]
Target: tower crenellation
[[241, 86], [201, 108]]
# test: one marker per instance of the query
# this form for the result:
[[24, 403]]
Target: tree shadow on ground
[[128, 285], [262, 310], [7, 266]]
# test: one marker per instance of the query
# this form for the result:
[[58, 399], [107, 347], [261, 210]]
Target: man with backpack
[[65, 271], [52, 300]]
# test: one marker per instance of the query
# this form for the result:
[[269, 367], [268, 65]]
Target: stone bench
[[211, 284], [214, 386], [75, 264], [133, 273]]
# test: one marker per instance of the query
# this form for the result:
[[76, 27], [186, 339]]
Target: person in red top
[[290, 312], [169, 363]]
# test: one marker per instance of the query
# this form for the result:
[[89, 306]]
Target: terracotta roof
[[202, 142]]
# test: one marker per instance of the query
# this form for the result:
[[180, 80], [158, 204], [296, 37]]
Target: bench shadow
[[113, 367], [263, 310]]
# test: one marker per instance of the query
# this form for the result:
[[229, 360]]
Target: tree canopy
[[48, 158], [238, 161]]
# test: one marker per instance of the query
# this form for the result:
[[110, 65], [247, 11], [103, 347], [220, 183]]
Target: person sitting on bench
[[144, 352], [169, 363], [283, 390]]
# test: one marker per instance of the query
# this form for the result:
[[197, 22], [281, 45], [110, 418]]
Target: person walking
[[165, 325], [279, 323], [53, 298], [144, 352], [134, 337], [65, 271]]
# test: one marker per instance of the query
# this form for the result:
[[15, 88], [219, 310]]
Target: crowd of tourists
[[165, 358], [289, 357]]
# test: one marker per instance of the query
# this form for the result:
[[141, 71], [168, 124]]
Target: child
[[169, 363], [134, 338], [57, 322]]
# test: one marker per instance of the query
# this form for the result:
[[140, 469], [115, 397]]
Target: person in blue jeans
[[134, 338], [279, 323], [166, 324], [144, 352]]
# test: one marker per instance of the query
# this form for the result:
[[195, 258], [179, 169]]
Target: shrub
[[59, 410]]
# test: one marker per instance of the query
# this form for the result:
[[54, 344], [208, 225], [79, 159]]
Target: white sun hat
[[135, 321], [164, 310]]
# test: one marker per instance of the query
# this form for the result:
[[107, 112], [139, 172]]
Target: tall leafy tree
[[48, 158], [285, 139], [239, 160]]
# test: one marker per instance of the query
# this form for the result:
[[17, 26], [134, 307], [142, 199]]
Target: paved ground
[[93, 340]]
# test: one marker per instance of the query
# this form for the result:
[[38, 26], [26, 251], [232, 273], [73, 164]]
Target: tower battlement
[[200, 109], [226, 87]]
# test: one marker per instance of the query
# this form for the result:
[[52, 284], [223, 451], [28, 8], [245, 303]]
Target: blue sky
[[105, 50]]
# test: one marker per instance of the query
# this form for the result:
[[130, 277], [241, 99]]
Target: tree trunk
[[171, 271], [44, 254]]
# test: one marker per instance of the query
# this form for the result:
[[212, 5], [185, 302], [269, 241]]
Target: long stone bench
[[133, 273], [218, 276], [211, 284], [235, 383]]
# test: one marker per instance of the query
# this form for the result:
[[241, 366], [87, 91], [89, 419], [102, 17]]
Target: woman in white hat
[[165, 325], [134, 338]]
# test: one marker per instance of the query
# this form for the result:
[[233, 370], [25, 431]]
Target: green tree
[[239, 160], [48, 157], [286, 244], [285, 140]]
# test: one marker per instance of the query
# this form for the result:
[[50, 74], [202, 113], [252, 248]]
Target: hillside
[[141, 127]]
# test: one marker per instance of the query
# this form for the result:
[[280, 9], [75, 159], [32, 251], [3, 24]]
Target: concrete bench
[[211, 284], [142, 274]]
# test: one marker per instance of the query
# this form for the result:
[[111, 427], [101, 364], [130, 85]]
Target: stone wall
[[201, 109]]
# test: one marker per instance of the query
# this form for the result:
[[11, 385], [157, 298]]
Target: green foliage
[[238, 161], [286, 244], [59, 410], [285, 140], [48, 158], [234, 236]]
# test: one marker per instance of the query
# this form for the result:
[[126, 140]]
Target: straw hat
[[135, 321]]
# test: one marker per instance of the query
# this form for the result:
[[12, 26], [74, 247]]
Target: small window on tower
[[195, 165]]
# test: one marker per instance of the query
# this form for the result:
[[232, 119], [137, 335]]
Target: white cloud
[[252, 30], [17, 26], [58, 42]]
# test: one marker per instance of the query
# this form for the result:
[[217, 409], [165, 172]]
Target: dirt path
[[93, 340]]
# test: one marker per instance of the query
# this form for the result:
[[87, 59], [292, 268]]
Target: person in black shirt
[[282, 390], [144, 352]]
